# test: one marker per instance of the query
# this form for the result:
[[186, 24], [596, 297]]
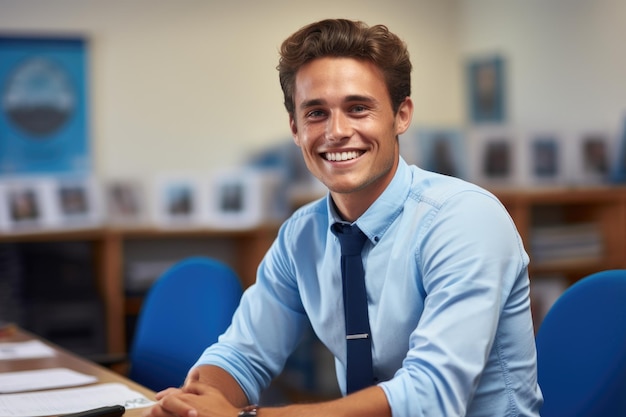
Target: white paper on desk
[[39, 379], [25, 350], [71, 400]]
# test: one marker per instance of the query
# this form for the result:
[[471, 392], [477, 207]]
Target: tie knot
[[350, 237]]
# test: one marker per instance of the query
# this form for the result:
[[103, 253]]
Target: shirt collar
[[379, 216]]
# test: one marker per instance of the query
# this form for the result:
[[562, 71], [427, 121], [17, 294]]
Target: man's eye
[[315, 114], [358, 108]]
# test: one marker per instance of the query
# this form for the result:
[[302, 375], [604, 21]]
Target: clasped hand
[[194, 399]]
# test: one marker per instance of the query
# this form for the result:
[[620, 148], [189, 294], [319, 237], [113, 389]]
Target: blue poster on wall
[[486, 88], [44, 106]]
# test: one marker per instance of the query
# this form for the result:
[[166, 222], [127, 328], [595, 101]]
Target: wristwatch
[[249, 411]]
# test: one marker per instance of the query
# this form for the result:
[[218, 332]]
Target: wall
[[566, 58], [564, 67], [192, 85]]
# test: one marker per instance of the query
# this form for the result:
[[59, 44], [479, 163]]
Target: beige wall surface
[[191, 85], [565, 66], [566, 58]]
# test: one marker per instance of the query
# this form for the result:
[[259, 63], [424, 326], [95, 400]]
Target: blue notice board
[[44, 106]]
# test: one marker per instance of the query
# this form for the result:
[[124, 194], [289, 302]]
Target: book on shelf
[[562, 242]]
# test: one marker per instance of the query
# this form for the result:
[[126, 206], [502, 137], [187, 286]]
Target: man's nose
[[338, 127]]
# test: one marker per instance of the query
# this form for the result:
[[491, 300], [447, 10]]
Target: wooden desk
[[66, 359]]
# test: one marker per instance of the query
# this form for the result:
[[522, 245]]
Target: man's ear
[[404, 115], [294, 129]]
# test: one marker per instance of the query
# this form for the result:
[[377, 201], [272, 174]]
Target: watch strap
[[249, 411]]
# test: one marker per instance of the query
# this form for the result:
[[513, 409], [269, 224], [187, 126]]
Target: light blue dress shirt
[[448, 290]]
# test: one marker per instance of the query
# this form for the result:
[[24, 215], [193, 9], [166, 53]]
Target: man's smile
[[342, 156]]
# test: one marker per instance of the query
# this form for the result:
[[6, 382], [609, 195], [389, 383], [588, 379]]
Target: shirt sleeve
[[266, 328], [470, 257]]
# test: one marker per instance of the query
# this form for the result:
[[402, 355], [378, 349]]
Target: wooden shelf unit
[[602, 205], [108, 250]]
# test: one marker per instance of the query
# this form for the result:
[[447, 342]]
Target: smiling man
[[446, 327], [347, 129]]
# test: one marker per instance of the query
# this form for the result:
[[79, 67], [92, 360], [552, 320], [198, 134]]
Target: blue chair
[[581, 349], [184, 312]]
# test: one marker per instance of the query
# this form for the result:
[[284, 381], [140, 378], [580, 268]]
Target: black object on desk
[[112, 411]]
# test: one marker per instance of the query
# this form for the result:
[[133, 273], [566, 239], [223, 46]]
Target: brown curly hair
[[346, 38]]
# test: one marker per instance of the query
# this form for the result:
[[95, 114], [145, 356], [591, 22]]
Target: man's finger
[[166, 392]]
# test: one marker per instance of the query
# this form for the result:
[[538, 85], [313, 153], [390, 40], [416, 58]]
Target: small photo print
[[545, 157], [76, 202], [177, 200], [24, 205], [73, 200], [442, 150], [243, 198], [497, 159], [493, 156], [125, 202], [595, 156], [231, 197]]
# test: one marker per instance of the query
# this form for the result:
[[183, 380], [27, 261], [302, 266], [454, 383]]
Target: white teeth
[[341, 156]]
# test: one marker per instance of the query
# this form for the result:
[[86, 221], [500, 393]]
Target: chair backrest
[[581, 349], [184, 312]]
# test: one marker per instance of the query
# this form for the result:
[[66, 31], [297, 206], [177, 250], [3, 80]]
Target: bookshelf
[[598, 212], [574, 217], [569, 233], [108, 248]]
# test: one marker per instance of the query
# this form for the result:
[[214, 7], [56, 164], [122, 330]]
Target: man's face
[[345, 126]]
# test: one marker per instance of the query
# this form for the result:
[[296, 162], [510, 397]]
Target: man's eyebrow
[[358, 97], [349, 99], [311, 103]]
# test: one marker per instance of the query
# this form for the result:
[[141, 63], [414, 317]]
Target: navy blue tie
[[359, 373]]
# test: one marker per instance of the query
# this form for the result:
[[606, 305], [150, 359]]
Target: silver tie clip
[[357, 336]]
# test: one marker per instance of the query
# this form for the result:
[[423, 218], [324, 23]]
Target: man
[[445, 270]]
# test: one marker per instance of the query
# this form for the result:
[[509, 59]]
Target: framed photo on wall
[[442, 150], [77, 202], [494, 156], [24, 204], [498, 159], [486, 87], [545, 161], [243, 198], [593, 152], [542, 158], [177, 200], [44, 105], [125, 202]]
